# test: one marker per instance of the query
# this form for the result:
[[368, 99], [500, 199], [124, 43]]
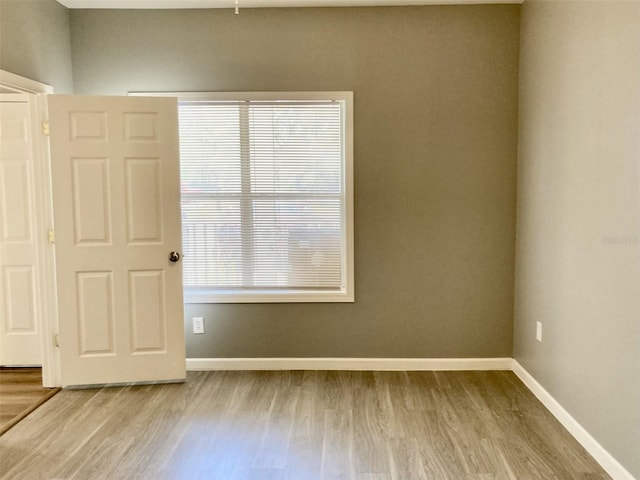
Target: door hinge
[[56, 340], [51, 236], [45, 129]]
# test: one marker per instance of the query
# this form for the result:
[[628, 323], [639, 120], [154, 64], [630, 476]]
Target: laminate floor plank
[[21, 392], [370, 448], [303, 425], [304, 459]]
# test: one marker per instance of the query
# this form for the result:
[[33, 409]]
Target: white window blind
[[264, 199]]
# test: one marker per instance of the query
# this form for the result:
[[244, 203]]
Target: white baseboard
[[590, 444], [374, 364]]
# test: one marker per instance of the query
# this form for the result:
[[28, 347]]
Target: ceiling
[[161, 4]]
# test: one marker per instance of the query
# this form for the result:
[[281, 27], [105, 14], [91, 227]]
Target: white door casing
[[116, 201], [20, 237]]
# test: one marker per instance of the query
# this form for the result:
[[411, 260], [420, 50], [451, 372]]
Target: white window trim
[[347, 294]]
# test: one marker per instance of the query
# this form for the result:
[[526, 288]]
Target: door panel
[[148, 317], [94, 291], [116, 192], [20, 338], [144, 200], [90, 188]]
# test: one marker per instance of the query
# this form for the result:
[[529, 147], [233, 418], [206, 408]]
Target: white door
[[116, 203], [20, 315]]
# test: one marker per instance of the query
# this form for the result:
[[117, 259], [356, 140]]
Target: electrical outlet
[[539, 331], [198, 325]]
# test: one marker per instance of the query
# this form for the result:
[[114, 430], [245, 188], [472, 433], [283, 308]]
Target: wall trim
[[379, 364], [162, 4], [21, 84], [590, 444]]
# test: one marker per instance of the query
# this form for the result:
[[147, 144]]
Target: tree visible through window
[[266, 198]]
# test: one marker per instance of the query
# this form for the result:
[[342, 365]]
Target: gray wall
[[578, 251], [435, 93], [35, 42]]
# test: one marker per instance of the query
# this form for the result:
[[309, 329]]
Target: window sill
[[267, 296]]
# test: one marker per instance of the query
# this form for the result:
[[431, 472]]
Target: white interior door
[[20, 313], [116, 202]]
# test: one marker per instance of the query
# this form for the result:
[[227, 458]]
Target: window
[[267, 197]]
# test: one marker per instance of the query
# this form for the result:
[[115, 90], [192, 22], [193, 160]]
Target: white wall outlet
[[539, 331], [198, 325]]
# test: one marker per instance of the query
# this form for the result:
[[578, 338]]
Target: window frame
[[257, 295]]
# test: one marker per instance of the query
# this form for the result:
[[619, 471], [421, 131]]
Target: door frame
[[48, 323]]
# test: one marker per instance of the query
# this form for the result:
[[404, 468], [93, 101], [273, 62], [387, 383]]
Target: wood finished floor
[[21, 392], [299, 425]]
